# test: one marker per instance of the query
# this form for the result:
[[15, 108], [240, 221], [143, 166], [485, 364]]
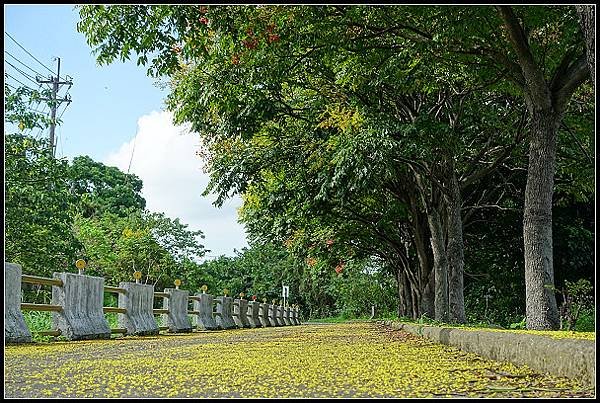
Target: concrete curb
[[571, 358]]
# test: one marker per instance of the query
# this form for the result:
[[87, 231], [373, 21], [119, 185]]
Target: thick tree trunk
[[455, 254], [440, 266], [541, 309], [546, 105], [586, 19]]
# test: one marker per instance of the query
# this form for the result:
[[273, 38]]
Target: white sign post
[[285, 293]]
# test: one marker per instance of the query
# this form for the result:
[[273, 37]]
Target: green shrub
[[519, 325], [585, 322]]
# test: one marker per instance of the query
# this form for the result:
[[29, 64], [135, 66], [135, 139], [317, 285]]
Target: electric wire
[[26, 51], [23, 64]]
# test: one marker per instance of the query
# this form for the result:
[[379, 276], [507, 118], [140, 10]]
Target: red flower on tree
[[204, 20], [272, 38]]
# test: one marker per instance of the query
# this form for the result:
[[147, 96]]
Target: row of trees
[[381, 133]]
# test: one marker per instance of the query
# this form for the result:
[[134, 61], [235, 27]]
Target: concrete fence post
[[263, 315], [272, 315], [286, 316], [82, 300], [223, 314], [240, 310], [252, 314], [177, 319], [293, 316], [279, 315], [138, 300], [15, 328], [206, 321]]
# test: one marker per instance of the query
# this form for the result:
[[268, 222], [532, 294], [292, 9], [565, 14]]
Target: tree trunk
[[541, 309], [401, 295], [440, 267], [455, 254], [407, 296], [426, 303], [415, 303], [586, 19], [426, 277]]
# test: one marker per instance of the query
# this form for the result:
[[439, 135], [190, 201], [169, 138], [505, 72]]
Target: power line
[[26, 75], [66, 106], [35, 71], [26, 51], [20, 82]]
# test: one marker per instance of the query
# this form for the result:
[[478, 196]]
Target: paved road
[[315, 360]]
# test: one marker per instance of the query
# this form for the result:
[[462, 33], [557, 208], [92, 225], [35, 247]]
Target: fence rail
[[112, 309], [115, 289], [41, 280], [41, 307]]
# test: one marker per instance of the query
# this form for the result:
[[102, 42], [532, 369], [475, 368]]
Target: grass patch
[[556, 334]]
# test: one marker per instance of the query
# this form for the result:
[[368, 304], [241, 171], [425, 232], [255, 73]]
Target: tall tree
[[587, 19], [102, 188], [546, 102]]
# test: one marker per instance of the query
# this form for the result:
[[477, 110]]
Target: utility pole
[[54, 103]]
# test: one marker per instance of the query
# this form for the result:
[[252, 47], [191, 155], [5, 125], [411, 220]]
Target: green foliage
[[161, 248], [359, 287], [585, 321], [577, 297], [103, 189], [39, 208], [18, 105], [519, 325]]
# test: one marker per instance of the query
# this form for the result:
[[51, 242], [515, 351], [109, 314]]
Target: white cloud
[[164, 158]]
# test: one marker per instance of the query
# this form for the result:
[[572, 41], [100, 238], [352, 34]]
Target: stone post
[[15, 328], [177, 303], [279, 315], [82, 299], [206, 321], [272, 314], [240, 310], [138, 301], [253, 308], [223, 314], [286, 316], [263, 315]]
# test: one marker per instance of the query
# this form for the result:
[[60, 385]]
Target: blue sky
[[104, 98], [117, 116]]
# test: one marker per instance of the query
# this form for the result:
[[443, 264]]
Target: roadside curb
[[570, 358]]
